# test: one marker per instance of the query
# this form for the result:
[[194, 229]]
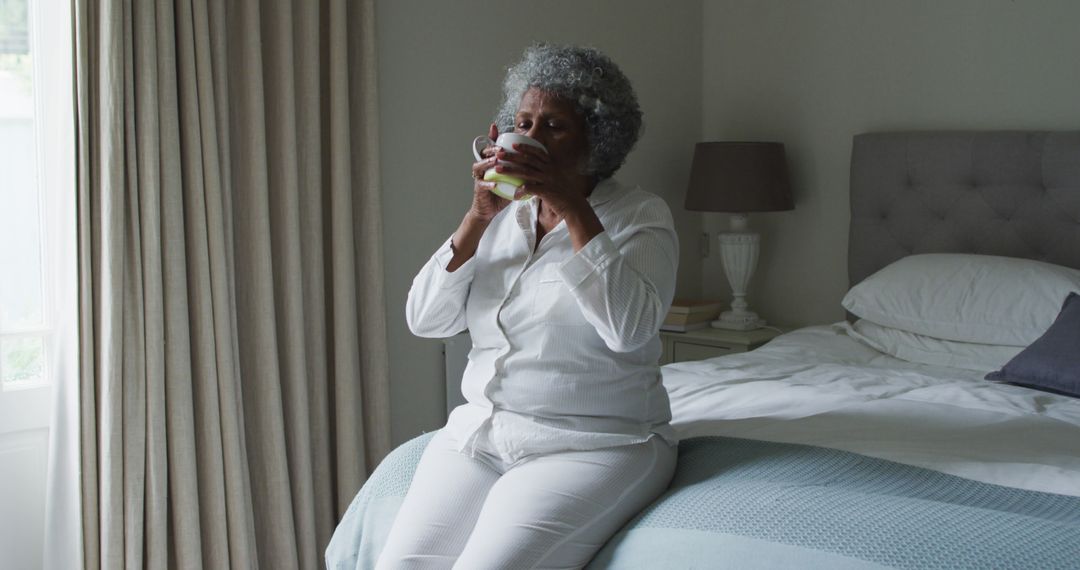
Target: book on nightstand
[[694, 306], [687, 315], [686, 327]]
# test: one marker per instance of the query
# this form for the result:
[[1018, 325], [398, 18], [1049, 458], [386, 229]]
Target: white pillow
[[965, 297], [924, 349]]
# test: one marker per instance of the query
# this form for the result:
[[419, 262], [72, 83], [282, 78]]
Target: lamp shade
[[739, 177]]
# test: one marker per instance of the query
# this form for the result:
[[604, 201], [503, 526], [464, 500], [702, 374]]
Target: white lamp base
[[739, 254], [734, 321]]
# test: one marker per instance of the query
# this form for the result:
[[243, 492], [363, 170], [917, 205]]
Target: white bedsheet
[[818, 386]]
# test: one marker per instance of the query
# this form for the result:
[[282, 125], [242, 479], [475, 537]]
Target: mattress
[[819, 386], [816, 451]]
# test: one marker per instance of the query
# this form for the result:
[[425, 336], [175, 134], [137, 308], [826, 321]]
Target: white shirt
[[565, 345]]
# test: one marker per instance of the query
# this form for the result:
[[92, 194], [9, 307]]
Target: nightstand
[[710, 343]]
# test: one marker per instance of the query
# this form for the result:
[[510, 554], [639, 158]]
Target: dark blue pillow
[[1052, 362]]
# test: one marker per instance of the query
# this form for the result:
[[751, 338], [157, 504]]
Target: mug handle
[[477, 146]]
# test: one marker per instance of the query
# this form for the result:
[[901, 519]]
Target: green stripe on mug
[[506, 186]]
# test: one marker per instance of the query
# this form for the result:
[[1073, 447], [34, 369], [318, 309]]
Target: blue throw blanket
[[738, 503]]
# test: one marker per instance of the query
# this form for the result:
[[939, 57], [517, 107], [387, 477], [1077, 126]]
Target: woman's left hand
[[562, 191]]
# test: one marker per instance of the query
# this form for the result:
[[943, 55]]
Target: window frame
[[43, 101], [53, 138]]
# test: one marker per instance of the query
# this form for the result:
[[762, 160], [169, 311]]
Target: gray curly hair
[[597, 88]]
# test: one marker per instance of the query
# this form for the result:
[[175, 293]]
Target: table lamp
[[738, 178]]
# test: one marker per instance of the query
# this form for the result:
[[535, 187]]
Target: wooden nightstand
[[709, 343]]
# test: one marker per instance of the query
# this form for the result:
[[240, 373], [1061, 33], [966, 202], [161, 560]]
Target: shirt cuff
[[589, 261], [450, 279]]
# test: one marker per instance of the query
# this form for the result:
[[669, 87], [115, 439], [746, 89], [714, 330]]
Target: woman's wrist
[[466, 239], [582, 223], [477, 218]]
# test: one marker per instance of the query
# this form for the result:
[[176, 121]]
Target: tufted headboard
[[1015, 194]]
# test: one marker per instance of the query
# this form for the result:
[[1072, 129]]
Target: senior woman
[[565, 435]]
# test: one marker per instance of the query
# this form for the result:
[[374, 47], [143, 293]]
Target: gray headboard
[[999, 193]]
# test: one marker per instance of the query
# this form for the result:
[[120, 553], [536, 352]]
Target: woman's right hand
[[486, 204]]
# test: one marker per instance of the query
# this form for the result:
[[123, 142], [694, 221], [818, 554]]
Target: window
[[37, 274], [14, 27], [23, 314]]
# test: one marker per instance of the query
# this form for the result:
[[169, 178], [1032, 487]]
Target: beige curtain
[[233, 376]]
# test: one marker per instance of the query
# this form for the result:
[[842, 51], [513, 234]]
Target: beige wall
[[440, 69], [813, 74]]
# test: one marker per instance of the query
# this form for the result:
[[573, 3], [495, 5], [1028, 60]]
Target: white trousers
[[544, 511]]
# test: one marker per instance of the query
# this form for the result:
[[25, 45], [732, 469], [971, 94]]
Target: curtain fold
[[233, 373]]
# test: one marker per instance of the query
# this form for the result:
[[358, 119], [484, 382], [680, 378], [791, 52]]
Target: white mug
[[505, 185]]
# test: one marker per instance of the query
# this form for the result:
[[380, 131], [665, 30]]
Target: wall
[[813, 74], [440, 71]]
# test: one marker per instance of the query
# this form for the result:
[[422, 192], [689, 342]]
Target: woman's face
[[554, 122]]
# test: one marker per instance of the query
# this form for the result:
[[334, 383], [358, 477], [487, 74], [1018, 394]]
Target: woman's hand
[[562, 190], [486, 204]]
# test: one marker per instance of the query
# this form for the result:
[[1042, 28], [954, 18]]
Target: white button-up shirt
[[565, 345]]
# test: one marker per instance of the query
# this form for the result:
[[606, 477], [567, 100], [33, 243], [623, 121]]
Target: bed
[[861, 445]]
